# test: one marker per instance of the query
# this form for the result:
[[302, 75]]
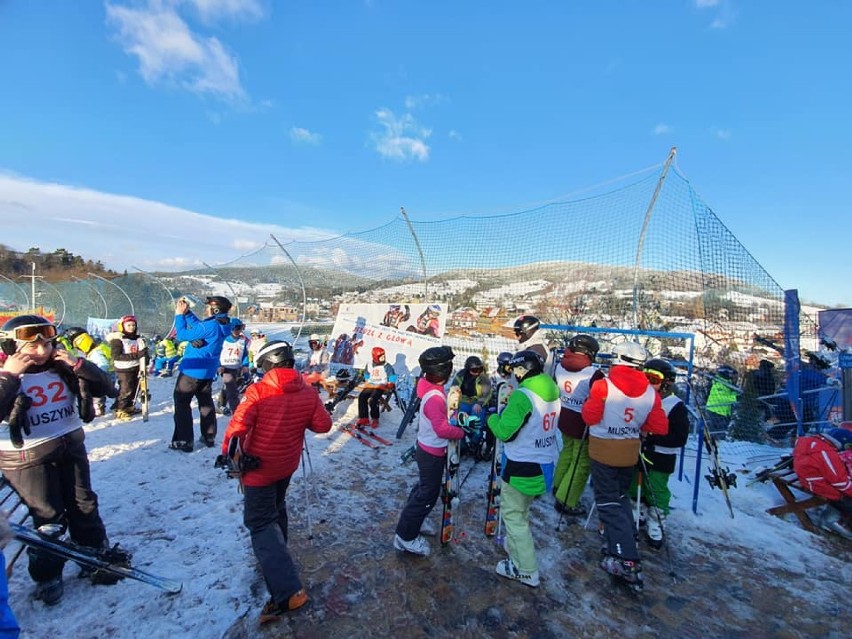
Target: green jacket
[[721, 399], [526, 477]]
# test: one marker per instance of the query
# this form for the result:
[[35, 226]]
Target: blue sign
[[844, 360]]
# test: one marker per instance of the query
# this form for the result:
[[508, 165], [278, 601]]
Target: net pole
[[168, 292], [301, 283], [419, 252], [647, 219], [228, 284]]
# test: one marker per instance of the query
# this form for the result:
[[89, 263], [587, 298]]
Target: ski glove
[[18, 420]]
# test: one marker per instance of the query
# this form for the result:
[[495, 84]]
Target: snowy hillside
[[755, 575]]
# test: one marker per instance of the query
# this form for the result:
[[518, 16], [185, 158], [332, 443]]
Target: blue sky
[[247, 116]]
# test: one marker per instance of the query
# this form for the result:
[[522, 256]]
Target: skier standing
[[527, 428], [233, 364], [433, 431], [574, 376], [46, 396], [270, 424], [618, 410], [530, 338], [127, 348]]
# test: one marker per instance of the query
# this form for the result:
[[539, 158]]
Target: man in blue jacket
[[198, 368]]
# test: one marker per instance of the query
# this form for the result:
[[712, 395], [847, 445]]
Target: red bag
[[821, 469]]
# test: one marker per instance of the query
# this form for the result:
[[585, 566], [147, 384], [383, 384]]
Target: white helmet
[[629, 354], [314, 338]]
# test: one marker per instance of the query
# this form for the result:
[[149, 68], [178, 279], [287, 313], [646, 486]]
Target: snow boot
[[184, 447], [570, 511], [374, 423], [506, 568], [362, 421], [417, 546], [627, 571], [654, 528], [50, 591], [123, 415], [274, 611]]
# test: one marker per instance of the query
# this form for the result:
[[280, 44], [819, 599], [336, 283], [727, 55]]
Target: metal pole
[[301, 283], [62, 299], [168, 292], [32, 284], [419, 251], [20, 288], [662, 179], [123, 292]]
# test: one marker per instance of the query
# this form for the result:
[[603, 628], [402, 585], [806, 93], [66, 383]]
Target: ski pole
[[573, 473], [306, 456], [659, 521], [639, 496]]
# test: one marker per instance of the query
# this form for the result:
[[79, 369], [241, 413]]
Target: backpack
[[821, 468]]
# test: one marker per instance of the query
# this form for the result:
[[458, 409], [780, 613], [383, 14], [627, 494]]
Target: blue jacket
[[201, 357]]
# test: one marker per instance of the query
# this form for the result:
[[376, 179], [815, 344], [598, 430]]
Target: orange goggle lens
[[654, 377], [34, 332]]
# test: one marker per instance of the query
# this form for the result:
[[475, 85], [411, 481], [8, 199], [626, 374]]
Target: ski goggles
[[476, 371], [32, 333], [654, 377]]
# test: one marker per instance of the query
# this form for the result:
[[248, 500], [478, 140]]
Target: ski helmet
[[473, 363], [378, 355], [525, 364], [237, 324], [126, 319], [525, 326], [503, 367], [80, 339], [585, 344], [275, 354], [842, 436], [663, 370], [436, 363], [434, 310], [74, 332], [727, 372], [629, 354], [219, 304], [26, 328]]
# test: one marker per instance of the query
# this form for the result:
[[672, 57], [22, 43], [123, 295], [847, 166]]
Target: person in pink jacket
[[433, 432], [270, 425]]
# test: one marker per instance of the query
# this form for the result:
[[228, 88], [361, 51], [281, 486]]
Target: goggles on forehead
[[32, 332]]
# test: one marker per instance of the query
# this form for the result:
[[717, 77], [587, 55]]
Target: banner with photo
[[100, 328], [403, 330]]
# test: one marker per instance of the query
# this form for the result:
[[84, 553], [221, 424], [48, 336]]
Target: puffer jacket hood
[[630, 381]]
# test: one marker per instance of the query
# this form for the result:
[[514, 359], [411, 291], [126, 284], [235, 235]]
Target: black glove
[[199, 343], [647, 446], [18, 419], [222, 461]]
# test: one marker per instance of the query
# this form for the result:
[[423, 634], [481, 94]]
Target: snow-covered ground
[[754, 575]]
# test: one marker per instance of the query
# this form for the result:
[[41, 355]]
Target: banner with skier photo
[[403, 330]]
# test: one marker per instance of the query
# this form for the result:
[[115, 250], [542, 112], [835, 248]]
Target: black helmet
[[436, 363], [525, 326], [727, 372], [219, 304], [74, 332], [25, 328], [473, 362], [665, 368], [503, 367], [585, 344], [530, 361], [275, 354]]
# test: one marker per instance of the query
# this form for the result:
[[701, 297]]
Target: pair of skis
[[493, 520], [718, 476], [450, 491], [114, 561], [365, 436]]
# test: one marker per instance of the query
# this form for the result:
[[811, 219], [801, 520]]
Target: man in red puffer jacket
[[270, 425]]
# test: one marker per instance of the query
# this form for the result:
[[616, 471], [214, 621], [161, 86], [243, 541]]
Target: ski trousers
[[128, 382], [186, 388], [424, 495], [231, 387], [615, 509], [265, 516], [515, 508], [56, 486], [373, 396], [572, 470]]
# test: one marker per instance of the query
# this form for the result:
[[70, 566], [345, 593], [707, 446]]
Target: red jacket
[[821, 469], [271, 422]]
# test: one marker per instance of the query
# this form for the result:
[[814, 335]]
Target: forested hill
[[60, 265]]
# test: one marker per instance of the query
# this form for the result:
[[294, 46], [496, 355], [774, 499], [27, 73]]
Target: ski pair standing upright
[[434, 434]]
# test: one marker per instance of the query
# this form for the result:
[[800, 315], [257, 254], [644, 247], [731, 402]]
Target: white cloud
[[400, 138], [213, 10], [424, 100], [454, 135], [298, 134], [722, 134], [94, 224], [718, 23], [704, 4], [662, 129], [170, 52]]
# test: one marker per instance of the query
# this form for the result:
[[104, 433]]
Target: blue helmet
[[237, 324], [841, 436]]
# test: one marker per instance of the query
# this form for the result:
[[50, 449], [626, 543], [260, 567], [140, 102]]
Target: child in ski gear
[[395, 315], [660, 452], [475, 388], [720, 402], [427, 323], [433, 432], [198, 369], [527, 428], [316, 369], [127, 347], [619, 409], [46, 396], [530, 338], [823, 464], [100, 354], [379, 378], [233, 364], [574, 377], [166, 356], [256, 341], [270, 424]]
